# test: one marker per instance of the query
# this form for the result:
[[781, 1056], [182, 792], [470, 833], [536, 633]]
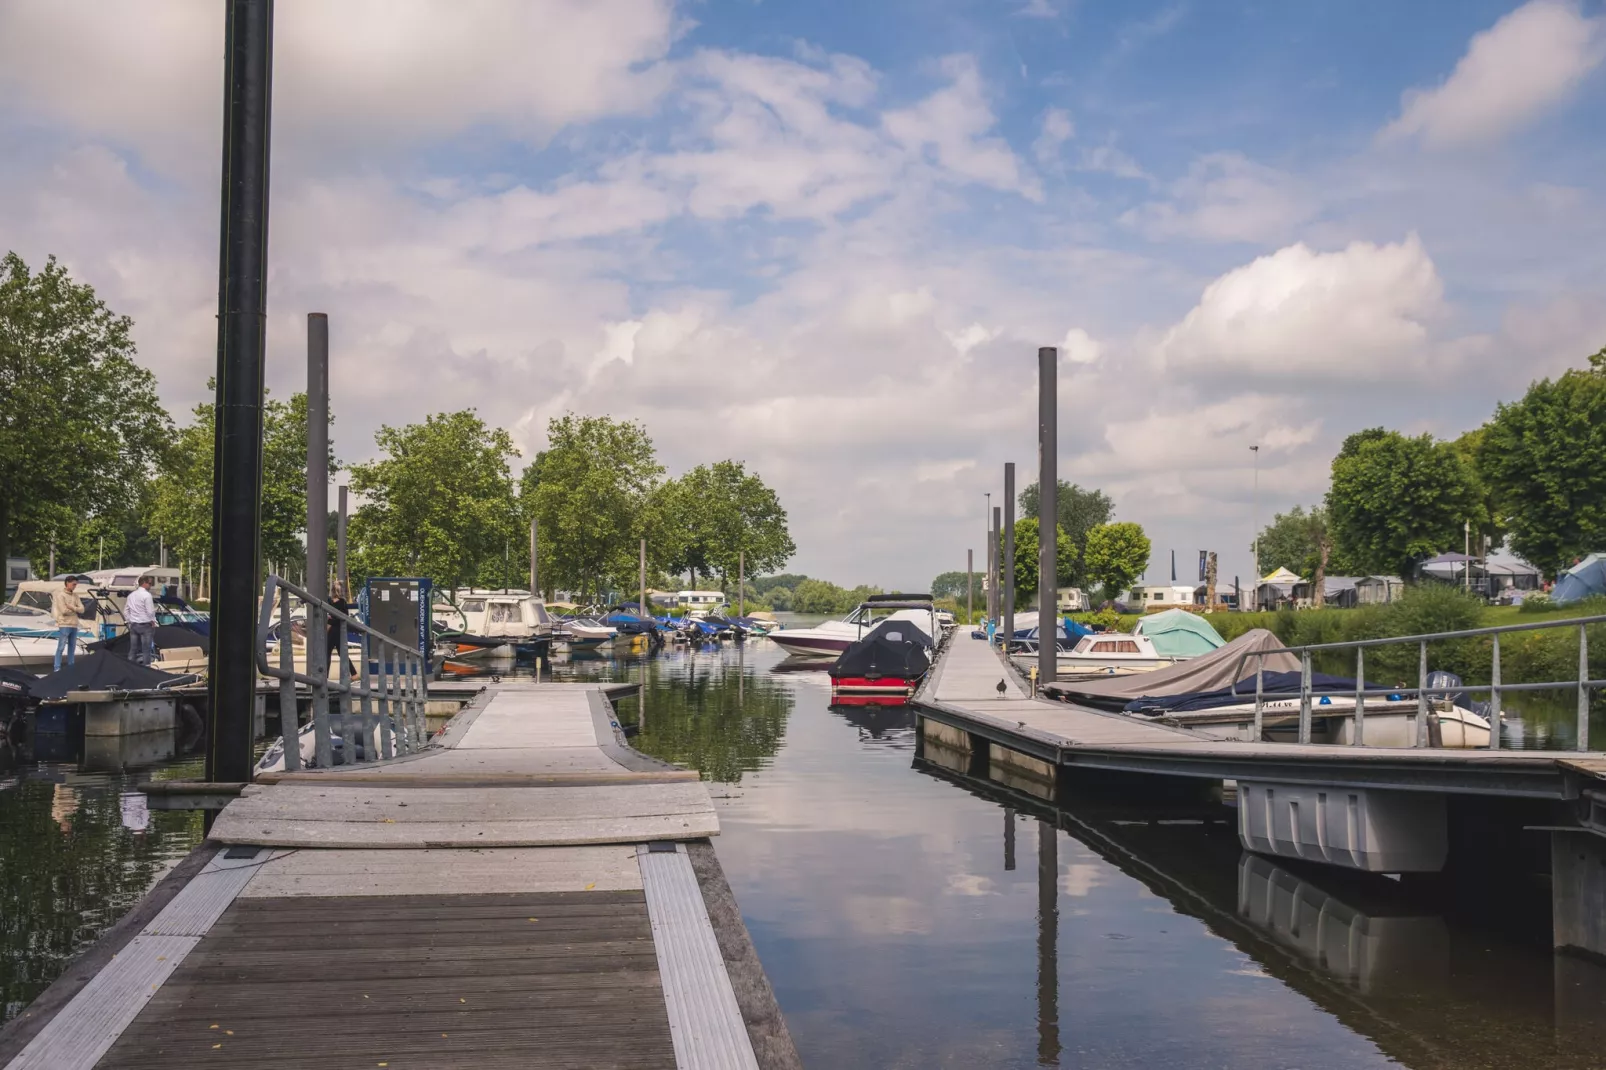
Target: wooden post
[[643, 606]]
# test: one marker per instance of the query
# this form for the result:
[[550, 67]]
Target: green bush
[[1538, 602]]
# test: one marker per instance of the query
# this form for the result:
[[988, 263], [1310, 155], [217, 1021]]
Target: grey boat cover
[[100, 671], [1218, 669]]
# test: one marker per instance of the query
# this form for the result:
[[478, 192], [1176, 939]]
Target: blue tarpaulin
[[1587, 579]]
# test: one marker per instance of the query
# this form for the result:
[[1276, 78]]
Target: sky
[[828, 238]]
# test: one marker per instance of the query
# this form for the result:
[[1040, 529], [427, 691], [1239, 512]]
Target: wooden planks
[[436, 872], [339, 815], [418, 981]]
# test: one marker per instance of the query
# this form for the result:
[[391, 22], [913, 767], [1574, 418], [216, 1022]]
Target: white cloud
[[1531, 60], [1036, 9], [1057, 130], [1225, 197], [1109, 160], [149, 73], [1299, 313], [955, 124], [1079, 347]]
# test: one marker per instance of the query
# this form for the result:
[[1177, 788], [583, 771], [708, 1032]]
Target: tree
[[1542, 459], [438, 504], [779, 597], [591, 491], [718, 513], [951, 585], [1116, 554], [80, 424], [1297, 540], [817, 596], [180, 508], [1396, 500], [1080, 511], [1026, 555]]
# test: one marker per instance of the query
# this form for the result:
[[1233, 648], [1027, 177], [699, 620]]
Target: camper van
[[18, 570]]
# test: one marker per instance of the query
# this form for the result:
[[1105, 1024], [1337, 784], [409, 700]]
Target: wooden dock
[[528, 891], [962, 695]]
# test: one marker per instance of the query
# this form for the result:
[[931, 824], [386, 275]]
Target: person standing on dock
[[140, 613], [65, 606], [341, 652]]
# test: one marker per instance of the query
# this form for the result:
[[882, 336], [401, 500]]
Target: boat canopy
[[922, 599], [1584, 580], [1220, 668], [1176, 633], [101, 671], [892, 648], [1272, 685]]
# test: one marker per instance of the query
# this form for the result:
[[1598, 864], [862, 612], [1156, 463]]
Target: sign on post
[[398, 608]]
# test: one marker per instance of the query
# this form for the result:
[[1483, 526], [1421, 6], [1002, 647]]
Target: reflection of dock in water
[[1403, 963]]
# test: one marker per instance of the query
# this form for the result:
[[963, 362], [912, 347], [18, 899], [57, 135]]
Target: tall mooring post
[[970, 586], [643, 563], [998, 559], [318, 454], [340, 543], [241, 333], [741, 583], [1007, 571], [535, 580], [1047, 511]]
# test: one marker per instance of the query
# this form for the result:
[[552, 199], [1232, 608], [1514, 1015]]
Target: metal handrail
[[1583, 682], [391, 706]]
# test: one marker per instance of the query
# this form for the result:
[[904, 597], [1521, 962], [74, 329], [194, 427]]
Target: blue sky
[[827, 238]]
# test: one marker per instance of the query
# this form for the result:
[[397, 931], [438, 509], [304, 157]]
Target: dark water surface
[[911, 917]]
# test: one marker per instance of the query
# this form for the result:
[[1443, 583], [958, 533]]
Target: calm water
[[910, 917]]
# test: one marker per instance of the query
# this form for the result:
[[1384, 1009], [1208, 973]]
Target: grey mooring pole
[[741, 583], [970, 586], [990, 588], [340, 543], [241, 330], [1006, 584], [995, 581], [318, 454], [535, 584], [1047, 512], [643, 606]]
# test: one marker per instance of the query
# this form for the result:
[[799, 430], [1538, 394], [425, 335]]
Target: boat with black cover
[[883, 668]]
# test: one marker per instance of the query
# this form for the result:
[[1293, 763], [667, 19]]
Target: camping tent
[[1586, 579], [1282, 575], [1176, 633]]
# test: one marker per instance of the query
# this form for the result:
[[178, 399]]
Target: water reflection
[[902, 924]]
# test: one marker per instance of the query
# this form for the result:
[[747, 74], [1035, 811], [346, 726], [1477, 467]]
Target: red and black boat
[[883, 668]]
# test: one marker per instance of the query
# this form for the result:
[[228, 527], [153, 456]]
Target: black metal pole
[[241, 331], [318, 454], [1007, 572], [998, 570], [1048, 510]]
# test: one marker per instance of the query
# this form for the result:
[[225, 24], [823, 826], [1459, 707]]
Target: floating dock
[[527, 891]]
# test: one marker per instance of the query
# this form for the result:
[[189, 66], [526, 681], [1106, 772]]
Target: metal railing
[[379, 717], [1419, 729]]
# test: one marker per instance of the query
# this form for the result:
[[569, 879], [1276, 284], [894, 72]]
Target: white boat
[[34, 653], [486, 623], [830, 638], [1390, 721], [1106, 654]]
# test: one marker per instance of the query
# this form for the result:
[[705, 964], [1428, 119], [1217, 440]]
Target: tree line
[[90, 459], [1093, 552], [1530, 479]]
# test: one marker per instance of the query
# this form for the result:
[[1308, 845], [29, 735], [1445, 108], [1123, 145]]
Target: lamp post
[[1254, 514]]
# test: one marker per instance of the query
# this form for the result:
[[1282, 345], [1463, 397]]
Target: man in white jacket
[[140, 613]]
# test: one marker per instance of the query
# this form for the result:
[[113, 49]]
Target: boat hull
[[812, 646]]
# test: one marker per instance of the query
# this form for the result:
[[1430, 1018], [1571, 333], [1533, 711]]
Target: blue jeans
[[66, 639], [142, 643]]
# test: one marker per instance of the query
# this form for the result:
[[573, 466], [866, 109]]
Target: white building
[[1161, 596], [699, 599]]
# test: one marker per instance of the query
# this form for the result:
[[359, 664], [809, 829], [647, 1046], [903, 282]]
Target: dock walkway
[[962, 693], [528, 891]]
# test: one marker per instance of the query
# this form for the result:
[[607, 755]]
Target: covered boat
[[883, 668], [833, 637], [1176, 633], [1220, 668]]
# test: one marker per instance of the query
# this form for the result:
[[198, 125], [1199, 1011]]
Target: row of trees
[[89, 459], [1531, 479]]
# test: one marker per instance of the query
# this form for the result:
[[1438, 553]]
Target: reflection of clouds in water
[[1080, 878], [970, 884], [887, 915]]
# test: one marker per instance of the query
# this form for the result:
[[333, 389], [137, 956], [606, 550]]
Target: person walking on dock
[[65, 605], [341, 652], [140, 613]]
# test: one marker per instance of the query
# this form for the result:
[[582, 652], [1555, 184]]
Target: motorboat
[[35, 652], [479, 623], [1390, 720], [831, 638], [1106, 654], [884, 668]]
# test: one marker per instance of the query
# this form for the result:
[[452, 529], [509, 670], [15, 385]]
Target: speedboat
[[34, 652], [480, 623], [831, 638], [883, 668], [1107, 654]]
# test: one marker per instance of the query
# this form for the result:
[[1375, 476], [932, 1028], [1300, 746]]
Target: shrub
[[1538, 602]]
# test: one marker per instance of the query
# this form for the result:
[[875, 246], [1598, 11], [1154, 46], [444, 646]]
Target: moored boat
[[831, 638], [884, 668]]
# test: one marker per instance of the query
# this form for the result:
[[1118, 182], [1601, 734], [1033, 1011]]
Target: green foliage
[[1026, 560], [1293, 540], [779, 598], [180, 506], [80, 423], [438, 504], [1116, 554], [953, 584], [713, 514], [785, 579], [1542, 459], [816, 596], [1535, 603], [592, 492], [1080, 511], [1395, 501]]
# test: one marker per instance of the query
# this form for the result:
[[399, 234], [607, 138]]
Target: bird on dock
[[1002, 688]]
